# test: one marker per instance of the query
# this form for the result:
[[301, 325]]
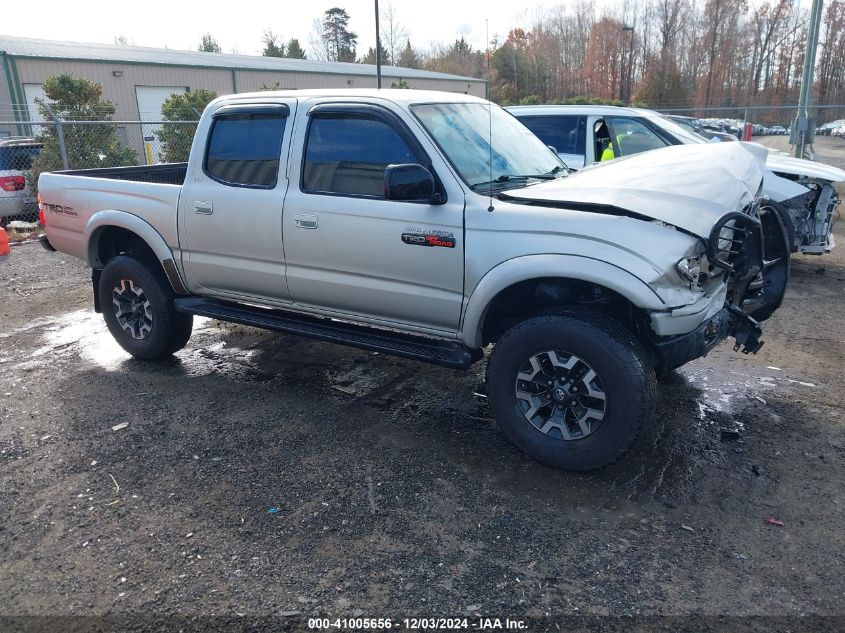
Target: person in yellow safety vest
[[607, 153]]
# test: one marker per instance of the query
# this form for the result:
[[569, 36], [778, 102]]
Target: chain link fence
[[30, 145]]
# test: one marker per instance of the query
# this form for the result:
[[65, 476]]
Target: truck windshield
[[462, 130]]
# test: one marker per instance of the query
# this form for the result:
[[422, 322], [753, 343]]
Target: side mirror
[[410, 183], [553, 148]]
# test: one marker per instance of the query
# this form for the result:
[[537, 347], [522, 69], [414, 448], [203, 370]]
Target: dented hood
[[687, 186]]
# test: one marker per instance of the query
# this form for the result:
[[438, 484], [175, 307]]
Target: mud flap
[[95, 282]]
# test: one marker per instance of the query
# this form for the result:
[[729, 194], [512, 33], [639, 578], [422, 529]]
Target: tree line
[[700, 56]]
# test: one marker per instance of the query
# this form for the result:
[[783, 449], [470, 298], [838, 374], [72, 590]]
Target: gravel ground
[[264, 475]]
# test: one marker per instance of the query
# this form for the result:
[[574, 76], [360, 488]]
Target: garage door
[[150, 99], [31, 92]]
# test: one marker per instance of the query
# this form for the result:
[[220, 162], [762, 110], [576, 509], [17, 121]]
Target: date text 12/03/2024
[[416, 624]]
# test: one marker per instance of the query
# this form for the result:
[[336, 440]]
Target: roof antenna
[[489, 117]]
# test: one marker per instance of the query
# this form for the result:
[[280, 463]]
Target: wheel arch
[[549, 271], [110, 233]]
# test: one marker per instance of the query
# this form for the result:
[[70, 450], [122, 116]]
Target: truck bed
[[71, 198], [165, 174]]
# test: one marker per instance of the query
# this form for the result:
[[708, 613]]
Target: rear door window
[[567, 134], [244, 147]]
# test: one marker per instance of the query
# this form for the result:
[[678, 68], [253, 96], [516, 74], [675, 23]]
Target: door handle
[[305, 221], [203, 208]]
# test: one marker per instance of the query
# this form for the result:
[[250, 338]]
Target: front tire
[[572, 390], [137, 304]]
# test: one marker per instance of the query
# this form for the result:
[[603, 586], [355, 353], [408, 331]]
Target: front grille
[[735, 246], [729, 238]]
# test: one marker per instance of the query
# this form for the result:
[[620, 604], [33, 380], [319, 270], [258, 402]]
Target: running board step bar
[[431, 350]]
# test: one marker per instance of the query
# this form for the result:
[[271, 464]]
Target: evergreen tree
[[272, 48], [294, 50], [209, 45], [370, 57], [334, 39], [71, 98], [408, 58], [176, 138]]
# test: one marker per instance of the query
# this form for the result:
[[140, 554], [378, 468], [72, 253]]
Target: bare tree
[[318, 44], [393, 34]]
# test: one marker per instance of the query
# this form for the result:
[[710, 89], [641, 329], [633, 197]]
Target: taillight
[[41, 217], [12, 183]]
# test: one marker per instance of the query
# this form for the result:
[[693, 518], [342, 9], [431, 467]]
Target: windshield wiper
[[508, 178]]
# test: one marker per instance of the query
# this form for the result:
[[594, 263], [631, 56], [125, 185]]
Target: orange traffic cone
[[4, 243]]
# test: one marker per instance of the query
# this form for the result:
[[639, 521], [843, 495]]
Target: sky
[[239, 27]]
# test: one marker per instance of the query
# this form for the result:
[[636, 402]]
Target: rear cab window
[[244, 145]]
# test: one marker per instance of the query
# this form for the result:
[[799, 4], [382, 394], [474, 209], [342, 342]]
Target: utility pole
[[626, 78], [378, 51], [803, 130]]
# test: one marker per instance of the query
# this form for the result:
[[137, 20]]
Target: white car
[[804, 193]]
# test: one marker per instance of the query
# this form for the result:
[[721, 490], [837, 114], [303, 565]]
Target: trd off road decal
[[59, 209], [425, 237]]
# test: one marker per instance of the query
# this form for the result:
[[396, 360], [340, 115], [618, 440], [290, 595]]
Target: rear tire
[[572, 390], [137, 304]]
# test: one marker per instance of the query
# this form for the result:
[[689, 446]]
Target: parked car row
[[833, 128], [695, 125], [804, 194], [774, 130]]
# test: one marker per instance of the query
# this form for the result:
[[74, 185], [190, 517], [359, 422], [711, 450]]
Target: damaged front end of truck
[[735, 267], [748, 249]]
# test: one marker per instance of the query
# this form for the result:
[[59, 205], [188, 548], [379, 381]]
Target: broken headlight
[[689, 269]]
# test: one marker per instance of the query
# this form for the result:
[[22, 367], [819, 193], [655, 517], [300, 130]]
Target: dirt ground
[[261, 474]]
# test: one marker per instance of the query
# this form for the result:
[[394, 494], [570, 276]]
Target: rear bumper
[[14, 205], [675, 351]]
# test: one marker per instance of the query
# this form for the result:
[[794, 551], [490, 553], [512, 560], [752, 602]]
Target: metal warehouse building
[[138, 79]]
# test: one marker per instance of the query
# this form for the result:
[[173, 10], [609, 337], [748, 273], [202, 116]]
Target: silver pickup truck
[[388, 220]]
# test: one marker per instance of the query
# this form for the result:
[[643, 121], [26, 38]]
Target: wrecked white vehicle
[[804, 193], [807, 195], [390, 221]]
